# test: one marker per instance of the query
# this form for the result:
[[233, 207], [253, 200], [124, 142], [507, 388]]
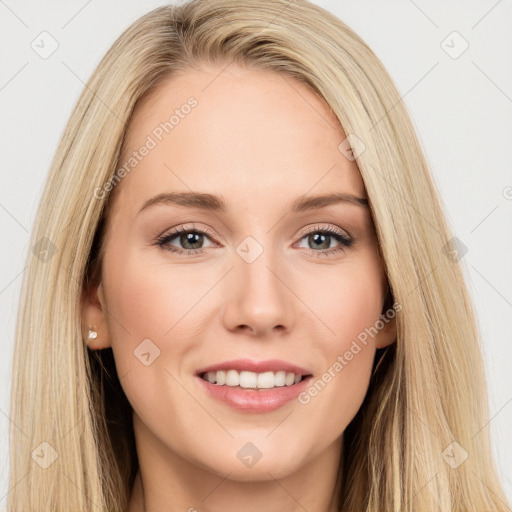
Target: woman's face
[[256, 280]]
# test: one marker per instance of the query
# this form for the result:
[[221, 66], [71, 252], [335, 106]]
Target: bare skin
[[260, 144]]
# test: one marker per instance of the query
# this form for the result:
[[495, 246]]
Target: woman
[[244, 293]]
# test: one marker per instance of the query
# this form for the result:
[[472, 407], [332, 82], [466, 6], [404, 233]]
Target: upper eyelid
[[330, 228]]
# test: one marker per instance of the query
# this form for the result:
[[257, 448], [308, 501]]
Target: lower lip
[[255, 401]]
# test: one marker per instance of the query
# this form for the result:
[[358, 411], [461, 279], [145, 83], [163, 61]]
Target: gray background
[[461, 108]]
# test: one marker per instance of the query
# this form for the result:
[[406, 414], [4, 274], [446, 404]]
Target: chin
[[250, 464]]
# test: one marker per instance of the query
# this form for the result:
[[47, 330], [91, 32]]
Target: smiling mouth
[[253, 380]]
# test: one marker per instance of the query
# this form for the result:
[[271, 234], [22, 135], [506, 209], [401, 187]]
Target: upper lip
[[270, 365]]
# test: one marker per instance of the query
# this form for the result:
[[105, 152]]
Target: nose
[[258, 298]]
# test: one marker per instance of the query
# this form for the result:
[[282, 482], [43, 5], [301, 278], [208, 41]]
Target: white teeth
[[290, 379], [265, 380], [232, 378], [280, 378], [246, 379], [221, 377]]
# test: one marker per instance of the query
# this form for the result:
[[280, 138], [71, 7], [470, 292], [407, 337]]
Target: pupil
[[323, 238], [189, 239]]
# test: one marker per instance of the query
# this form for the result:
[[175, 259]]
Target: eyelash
[[344, 240]]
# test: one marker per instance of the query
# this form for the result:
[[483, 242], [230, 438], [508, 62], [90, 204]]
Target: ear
[[94, 316], [387, 335]]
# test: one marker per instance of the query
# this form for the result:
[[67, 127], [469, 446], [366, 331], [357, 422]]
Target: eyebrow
[[209, 202]]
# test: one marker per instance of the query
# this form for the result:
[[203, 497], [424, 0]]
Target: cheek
[[151, 300], [147, 313], [347, 299], [153, 318], [349, 305]]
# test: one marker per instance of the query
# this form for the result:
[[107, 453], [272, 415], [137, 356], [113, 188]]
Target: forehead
[[256, 135]]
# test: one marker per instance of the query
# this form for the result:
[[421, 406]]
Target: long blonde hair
[[426, 404]]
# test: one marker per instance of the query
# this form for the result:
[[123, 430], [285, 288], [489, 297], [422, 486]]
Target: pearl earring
[[92, 334]]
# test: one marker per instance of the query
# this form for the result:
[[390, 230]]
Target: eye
[[190, 238], [321, 237]]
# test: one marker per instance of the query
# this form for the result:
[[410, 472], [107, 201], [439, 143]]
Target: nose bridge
[[258, 297], [258, 265]]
